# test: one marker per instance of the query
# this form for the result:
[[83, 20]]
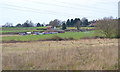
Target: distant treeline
[[55, 23], [25, 24]]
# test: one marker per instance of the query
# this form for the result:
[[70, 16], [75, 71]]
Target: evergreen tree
[[42, 25], [18, 25], [71, 23], [38, 25], [63, 26], [68, 23], [26, 24]]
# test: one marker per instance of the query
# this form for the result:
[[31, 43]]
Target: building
[[48, 27]]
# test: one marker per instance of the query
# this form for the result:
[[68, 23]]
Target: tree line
[[107, 26], [72, 22], [25, 24], [54, 23]]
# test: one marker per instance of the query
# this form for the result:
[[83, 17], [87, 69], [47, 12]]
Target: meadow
[[84, 54], [74, 52], [74, 35], [6, 28], [9, 31], [15, 30], [81, 27]]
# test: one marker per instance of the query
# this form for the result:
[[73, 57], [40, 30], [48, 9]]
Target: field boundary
[[49, 39]]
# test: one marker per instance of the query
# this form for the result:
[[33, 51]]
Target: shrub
[[70, 38], [55, 38], [107, 26]]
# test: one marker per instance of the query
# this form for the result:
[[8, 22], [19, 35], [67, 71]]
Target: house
[[48, 27], [92, 23]]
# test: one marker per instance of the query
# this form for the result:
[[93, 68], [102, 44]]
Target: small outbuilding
[[48, 27]]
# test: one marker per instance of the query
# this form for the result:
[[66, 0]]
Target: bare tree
[[78, 25], [107, 26], [31, 24], [28, 24], [8, 25], [55, 23]]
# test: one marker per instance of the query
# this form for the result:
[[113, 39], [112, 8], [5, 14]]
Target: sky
[[43, 11]]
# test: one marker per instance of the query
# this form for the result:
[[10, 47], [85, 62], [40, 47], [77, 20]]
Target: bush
[[108, 27], [70, 38], [57, 38]]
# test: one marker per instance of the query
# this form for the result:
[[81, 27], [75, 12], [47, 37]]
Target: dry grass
[[84, 54]]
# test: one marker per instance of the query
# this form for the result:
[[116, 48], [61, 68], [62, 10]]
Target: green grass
[[21, 27], [6, 30], [87, 27], [81, 28], [17, 31], [71, 28], [75, 35]]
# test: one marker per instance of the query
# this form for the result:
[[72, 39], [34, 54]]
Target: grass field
[[77, 54], [17, 31], [81, 27], [74, 35], [84, 54], [7, 30], [42, 27], [13, 28]]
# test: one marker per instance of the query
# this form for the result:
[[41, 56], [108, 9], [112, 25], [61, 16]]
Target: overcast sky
[[43, 11]]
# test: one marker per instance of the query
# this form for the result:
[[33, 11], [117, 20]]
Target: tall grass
[[61, 55]]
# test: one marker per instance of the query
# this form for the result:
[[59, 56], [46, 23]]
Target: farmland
[[61, 51], [8, 36], [84, 54], [65, 35], [74, 35], [16, 30]]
